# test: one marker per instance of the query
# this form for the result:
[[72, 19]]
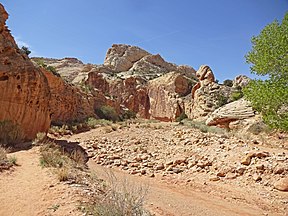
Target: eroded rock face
[[121, 57], [24, 90], [130, 92], [165, 94], [67, 103], [237, 110], [207, 95]]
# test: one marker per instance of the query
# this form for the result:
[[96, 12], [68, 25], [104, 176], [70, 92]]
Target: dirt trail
[[32, 190], [172, 200]]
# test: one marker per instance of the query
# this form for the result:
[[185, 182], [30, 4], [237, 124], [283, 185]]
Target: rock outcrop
[[122, 57], [165, 95], [129, 60], [237, 110], [241, 81], [67, 103], [131, 92], [24, 90], [207, 95]]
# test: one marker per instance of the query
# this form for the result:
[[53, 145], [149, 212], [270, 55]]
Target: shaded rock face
[[165, 95], [24, 90], [130, 92], [206, 94], [237, 110], [67, 103]]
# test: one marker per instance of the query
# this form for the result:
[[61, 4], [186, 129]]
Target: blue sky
[[192, 32]]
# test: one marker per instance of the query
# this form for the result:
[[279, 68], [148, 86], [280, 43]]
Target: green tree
[[228, 82], [269, 57], [25, 50]]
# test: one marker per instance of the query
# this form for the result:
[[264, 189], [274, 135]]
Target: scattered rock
[[160, 167], [214, 178], [282, 184]]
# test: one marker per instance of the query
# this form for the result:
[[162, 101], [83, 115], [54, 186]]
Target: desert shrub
[[121, 199], [203, 127], [52, 156], [52, 70], [236, 95], [68, 164], [10, 133], [181, 117], [93, 123], [128, 114], [107, 112], [258, 127], [40, 138], [228, 82], [25, 50], [221, 100], [6, 162]]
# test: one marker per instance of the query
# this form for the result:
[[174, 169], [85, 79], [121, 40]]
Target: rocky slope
[[24, 90], [219, 163]]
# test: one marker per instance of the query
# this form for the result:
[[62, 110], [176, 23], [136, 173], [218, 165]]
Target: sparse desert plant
[[236, 95], [181, 117], [10, 133], [203, 127], [221, 100], [25, 50], [52, 156], [128, 114], [259, 127], [6, 162], [3, 154], [12, 160], [40, 138], [63, 173], [107, 112], [122, 199], [93, 123]]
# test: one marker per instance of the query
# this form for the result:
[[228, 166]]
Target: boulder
[[282, 184], [237, 110], [24, 90]]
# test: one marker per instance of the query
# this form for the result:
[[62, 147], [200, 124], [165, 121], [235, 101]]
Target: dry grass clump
[[10, 133], [203, 127], [6, 162], [121, 198], [67, 166], [78, 127]]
